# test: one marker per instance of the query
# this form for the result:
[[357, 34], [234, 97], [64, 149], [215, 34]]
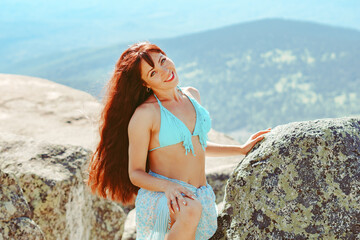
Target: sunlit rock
[[15, 215], [51, 177], [301, 182]]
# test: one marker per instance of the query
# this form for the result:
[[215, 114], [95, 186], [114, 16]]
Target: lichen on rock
[[15, 216], [51, 179], [300, 182]]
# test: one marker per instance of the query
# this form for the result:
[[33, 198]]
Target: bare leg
[[185, 221]]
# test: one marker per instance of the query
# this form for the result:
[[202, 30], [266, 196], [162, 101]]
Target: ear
[[144, 84]]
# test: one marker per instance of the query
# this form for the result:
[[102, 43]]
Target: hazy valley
[[251, 76]]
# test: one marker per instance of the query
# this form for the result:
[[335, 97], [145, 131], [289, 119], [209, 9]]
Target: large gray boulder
[[52, 180], [301, 182]]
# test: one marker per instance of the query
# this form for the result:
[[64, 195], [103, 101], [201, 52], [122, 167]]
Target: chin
[[176, 81]]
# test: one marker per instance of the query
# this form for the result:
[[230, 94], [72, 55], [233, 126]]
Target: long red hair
[[108, 167]]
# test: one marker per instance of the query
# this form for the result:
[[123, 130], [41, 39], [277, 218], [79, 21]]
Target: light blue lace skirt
[[153, 216]]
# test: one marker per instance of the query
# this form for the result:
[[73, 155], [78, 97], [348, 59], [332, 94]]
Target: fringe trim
[[161, 226]]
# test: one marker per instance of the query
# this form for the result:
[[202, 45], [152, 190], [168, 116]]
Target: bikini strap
[[183, 92], [160, 101], [157, 99], [179, 88]]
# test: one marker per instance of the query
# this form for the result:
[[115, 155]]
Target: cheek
[[158, 79], [155, 80]]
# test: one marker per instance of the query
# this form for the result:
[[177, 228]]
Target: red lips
[[173, 76]]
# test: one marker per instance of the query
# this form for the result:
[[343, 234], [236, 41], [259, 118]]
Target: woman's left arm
[[221, 150]]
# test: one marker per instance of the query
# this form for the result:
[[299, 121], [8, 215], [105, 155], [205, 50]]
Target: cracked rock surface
[[301, 182], [15, 215], [50, 177]]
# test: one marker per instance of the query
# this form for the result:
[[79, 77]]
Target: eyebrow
[[153, 68]]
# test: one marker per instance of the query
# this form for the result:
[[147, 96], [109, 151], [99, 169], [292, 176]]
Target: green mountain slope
[[251, 76]]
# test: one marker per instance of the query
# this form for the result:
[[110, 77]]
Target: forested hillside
[[251, 76]]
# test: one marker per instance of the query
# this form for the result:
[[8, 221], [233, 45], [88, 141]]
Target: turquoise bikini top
[[173, 130]]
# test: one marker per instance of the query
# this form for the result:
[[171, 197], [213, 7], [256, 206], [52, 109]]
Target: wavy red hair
[[108, 167]]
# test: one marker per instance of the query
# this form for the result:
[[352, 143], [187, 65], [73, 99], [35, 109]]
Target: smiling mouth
[[171, 77]]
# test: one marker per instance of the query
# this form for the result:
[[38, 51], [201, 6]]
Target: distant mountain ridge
[[251, 75]]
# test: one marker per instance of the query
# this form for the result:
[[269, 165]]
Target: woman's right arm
[[139, 132]]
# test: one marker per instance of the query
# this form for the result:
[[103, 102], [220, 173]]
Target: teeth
[[170, 76]]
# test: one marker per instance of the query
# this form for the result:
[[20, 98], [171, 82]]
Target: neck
[[173, 94]]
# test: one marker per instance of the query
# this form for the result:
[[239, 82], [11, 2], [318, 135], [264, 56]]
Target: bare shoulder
[[194, 92], [142, 117]]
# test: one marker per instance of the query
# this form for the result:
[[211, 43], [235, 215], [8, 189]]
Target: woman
[[153, 145]]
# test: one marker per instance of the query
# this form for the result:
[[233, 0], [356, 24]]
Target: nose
[[165, 71]]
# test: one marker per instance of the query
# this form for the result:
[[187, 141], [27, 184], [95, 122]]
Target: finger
[[173, 204], [182, 199], [259, 138], [262, 132], [170, 207], [177, 204], [256, 135], [189, 194]]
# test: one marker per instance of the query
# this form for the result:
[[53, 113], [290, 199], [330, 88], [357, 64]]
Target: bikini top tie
[[173, 130]]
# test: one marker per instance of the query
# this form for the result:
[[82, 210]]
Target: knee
[[193, 209]]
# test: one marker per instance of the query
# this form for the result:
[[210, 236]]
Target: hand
[[256, 137], [174, 195]]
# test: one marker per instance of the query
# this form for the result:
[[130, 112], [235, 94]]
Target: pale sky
[[48, 25]]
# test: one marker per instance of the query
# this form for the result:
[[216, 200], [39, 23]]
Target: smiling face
[[162, 76]]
